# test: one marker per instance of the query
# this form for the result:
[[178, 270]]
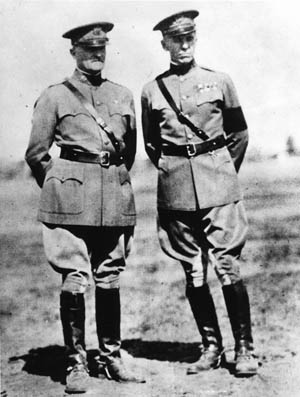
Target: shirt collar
[[182, 69], [94, 80]]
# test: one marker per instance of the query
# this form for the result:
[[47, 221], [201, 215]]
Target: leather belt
[[194, 149], [104, 158]]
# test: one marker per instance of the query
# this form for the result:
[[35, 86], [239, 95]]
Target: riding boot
[[108, 319], [204, 312], [72, 311], [238, 308]]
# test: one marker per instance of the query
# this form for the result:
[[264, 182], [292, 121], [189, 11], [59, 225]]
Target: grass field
[[157, 325]]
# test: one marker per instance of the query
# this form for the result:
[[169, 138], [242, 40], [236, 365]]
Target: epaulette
[[119, 86], [45, 89], [114, 83], [58, 83]]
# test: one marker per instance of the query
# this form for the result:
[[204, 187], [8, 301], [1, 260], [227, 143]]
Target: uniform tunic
[[206, 186], [80, 193], [209, 100], [87, 209]]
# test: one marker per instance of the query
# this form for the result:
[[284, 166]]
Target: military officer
[[196, 135], [87, 205]]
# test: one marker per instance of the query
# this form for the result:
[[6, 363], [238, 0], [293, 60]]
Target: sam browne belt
[[194, 149], [104, 158]]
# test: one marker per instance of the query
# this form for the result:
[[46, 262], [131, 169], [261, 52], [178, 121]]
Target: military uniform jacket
[[76, 193], [209, 100]]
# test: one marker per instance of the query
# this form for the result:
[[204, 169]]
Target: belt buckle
[[105, 158], [191, 149]]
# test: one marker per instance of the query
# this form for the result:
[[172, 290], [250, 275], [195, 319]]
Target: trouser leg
[[108, 254], [177, 236], [226, 229], [67, 252], [181, 238], [178, 239]]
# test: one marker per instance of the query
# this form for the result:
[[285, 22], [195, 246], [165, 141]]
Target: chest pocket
[[72, 109], [63, 191], [210, 96], [74, 114], [119, 108]]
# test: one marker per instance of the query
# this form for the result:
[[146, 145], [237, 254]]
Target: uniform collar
[[182, 69], [88, 79]]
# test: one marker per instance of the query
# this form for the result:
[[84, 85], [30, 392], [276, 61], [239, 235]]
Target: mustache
[[95, 58]]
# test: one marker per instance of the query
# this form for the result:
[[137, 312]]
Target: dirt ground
[[159, 334]]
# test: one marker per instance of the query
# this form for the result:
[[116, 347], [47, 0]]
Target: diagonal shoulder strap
[[181, 117], [93, 112]]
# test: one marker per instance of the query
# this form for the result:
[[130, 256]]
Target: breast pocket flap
[[209, 96]]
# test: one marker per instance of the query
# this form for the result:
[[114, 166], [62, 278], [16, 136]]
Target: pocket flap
[[66, 173], [119, 108], [63, 190], [67, 109], [209, 96]]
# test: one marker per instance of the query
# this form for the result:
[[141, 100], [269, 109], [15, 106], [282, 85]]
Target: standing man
[[87, 204], [196, 135]]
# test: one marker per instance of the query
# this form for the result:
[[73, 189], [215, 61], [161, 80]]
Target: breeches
[[215, 235], [78, 252]]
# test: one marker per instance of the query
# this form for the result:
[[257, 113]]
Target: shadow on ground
[[168, 351], [162, 351], [50, 361], [45, 361]]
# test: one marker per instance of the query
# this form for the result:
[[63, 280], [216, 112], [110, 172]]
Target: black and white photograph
[[149, 198]]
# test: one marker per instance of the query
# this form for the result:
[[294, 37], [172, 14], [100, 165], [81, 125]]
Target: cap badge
[[97, 32]]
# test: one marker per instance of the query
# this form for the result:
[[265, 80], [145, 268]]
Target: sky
[[255, 42]]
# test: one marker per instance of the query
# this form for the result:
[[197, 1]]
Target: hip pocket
[[63, 190]]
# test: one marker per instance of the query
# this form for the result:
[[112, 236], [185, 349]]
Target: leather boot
[[72, 311], [204, 312], [238, 307], [108, 319]]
